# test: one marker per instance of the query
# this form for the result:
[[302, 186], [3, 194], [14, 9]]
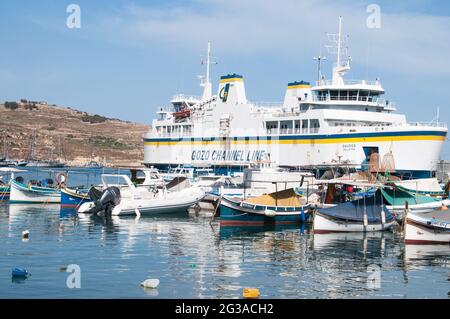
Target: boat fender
[[366, 220], [302, 215], [150, 283], [270, 213], [383, 217]]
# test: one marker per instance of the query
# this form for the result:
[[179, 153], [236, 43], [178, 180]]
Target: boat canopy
[[285, 198], [423, 186], [354, 210], [397, 197]]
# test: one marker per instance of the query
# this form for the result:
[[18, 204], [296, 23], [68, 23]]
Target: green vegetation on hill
[[93, 119], [107, 142]]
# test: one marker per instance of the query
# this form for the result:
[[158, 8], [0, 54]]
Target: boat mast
[[341, 67], [206, 83], [33, 140], [339, 48], [319, 65]]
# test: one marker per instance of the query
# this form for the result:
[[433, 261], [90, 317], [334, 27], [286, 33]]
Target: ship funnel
[[232, 89], [296, 93]]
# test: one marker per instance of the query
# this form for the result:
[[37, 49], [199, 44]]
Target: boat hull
[[418, 208], [296, 150], [420, 230], [177, 202], [232, 213], [4, 193], [21, 194], [325, 224], [73, 199]]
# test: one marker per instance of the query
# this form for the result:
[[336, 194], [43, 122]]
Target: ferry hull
[[303, 150]]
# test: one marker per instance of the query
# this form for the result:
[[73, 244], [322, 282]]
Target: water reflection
[[194, 257], [420, 256]]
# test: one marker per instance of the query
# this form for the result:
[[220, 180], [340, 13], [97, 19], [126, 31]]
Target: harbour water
[[193, 257]]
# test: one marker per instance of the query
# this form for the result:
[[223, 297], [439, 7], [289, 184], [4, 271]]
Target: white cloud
[[407, 43]]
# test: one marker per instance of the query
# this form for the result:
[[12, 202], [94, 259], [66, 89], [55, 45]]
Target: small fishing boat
[[424, 186], [71, 198], [280, 207], [5, 185], [363, 215], [129, 199], [427, 228], [4, 191], [32, 193], [417, 203]]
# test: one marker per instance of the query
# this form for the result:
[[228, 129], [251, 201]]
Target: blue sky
[[130, 57]]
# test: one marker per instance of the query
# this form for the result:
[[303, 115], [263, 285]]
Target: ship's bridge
[[363, 95]]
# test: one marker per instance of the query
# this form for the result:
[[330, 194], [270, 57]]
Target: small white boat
[[363, 215], [427, 228], [21, 193], [418, 208], [142, 199]]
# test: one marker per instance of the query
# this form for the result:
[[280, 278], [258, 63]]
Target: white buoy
[[150, 283]]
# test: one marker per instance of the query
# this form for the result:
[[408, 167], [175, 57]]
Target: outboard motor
[[101, 201]]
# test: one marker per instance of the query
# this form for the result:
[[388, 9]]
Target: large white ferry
[[335, 122]]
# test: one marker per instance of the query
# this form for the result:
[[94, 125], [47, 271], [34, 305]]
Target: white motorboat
[[128, 199]]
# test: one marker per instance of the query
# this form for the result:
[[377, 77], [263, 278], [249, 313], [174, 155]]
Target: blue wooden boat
[[71, 198], [283, 207], [4, 192]]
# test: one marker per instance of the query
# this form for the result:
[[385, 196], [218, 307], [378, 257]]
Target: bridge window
[[305, 126], [343, 95], [334, 95], [272, 127], [352, 95], [285, 127], [297, 124], [314, 126], [363, 95]]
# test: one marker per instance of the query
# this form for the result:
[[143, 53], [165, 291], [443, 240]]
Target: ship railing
[[267, 104], [348, 82], [431, 124], [369, 99], [185, 97]]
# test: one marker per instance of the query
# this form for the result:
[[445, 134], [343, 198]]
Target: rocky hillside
[[77, 137]]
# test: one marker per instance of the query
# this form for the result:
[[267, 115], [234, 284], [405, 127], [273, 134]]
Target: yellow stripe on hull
[[308, 141], [231, 80]]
